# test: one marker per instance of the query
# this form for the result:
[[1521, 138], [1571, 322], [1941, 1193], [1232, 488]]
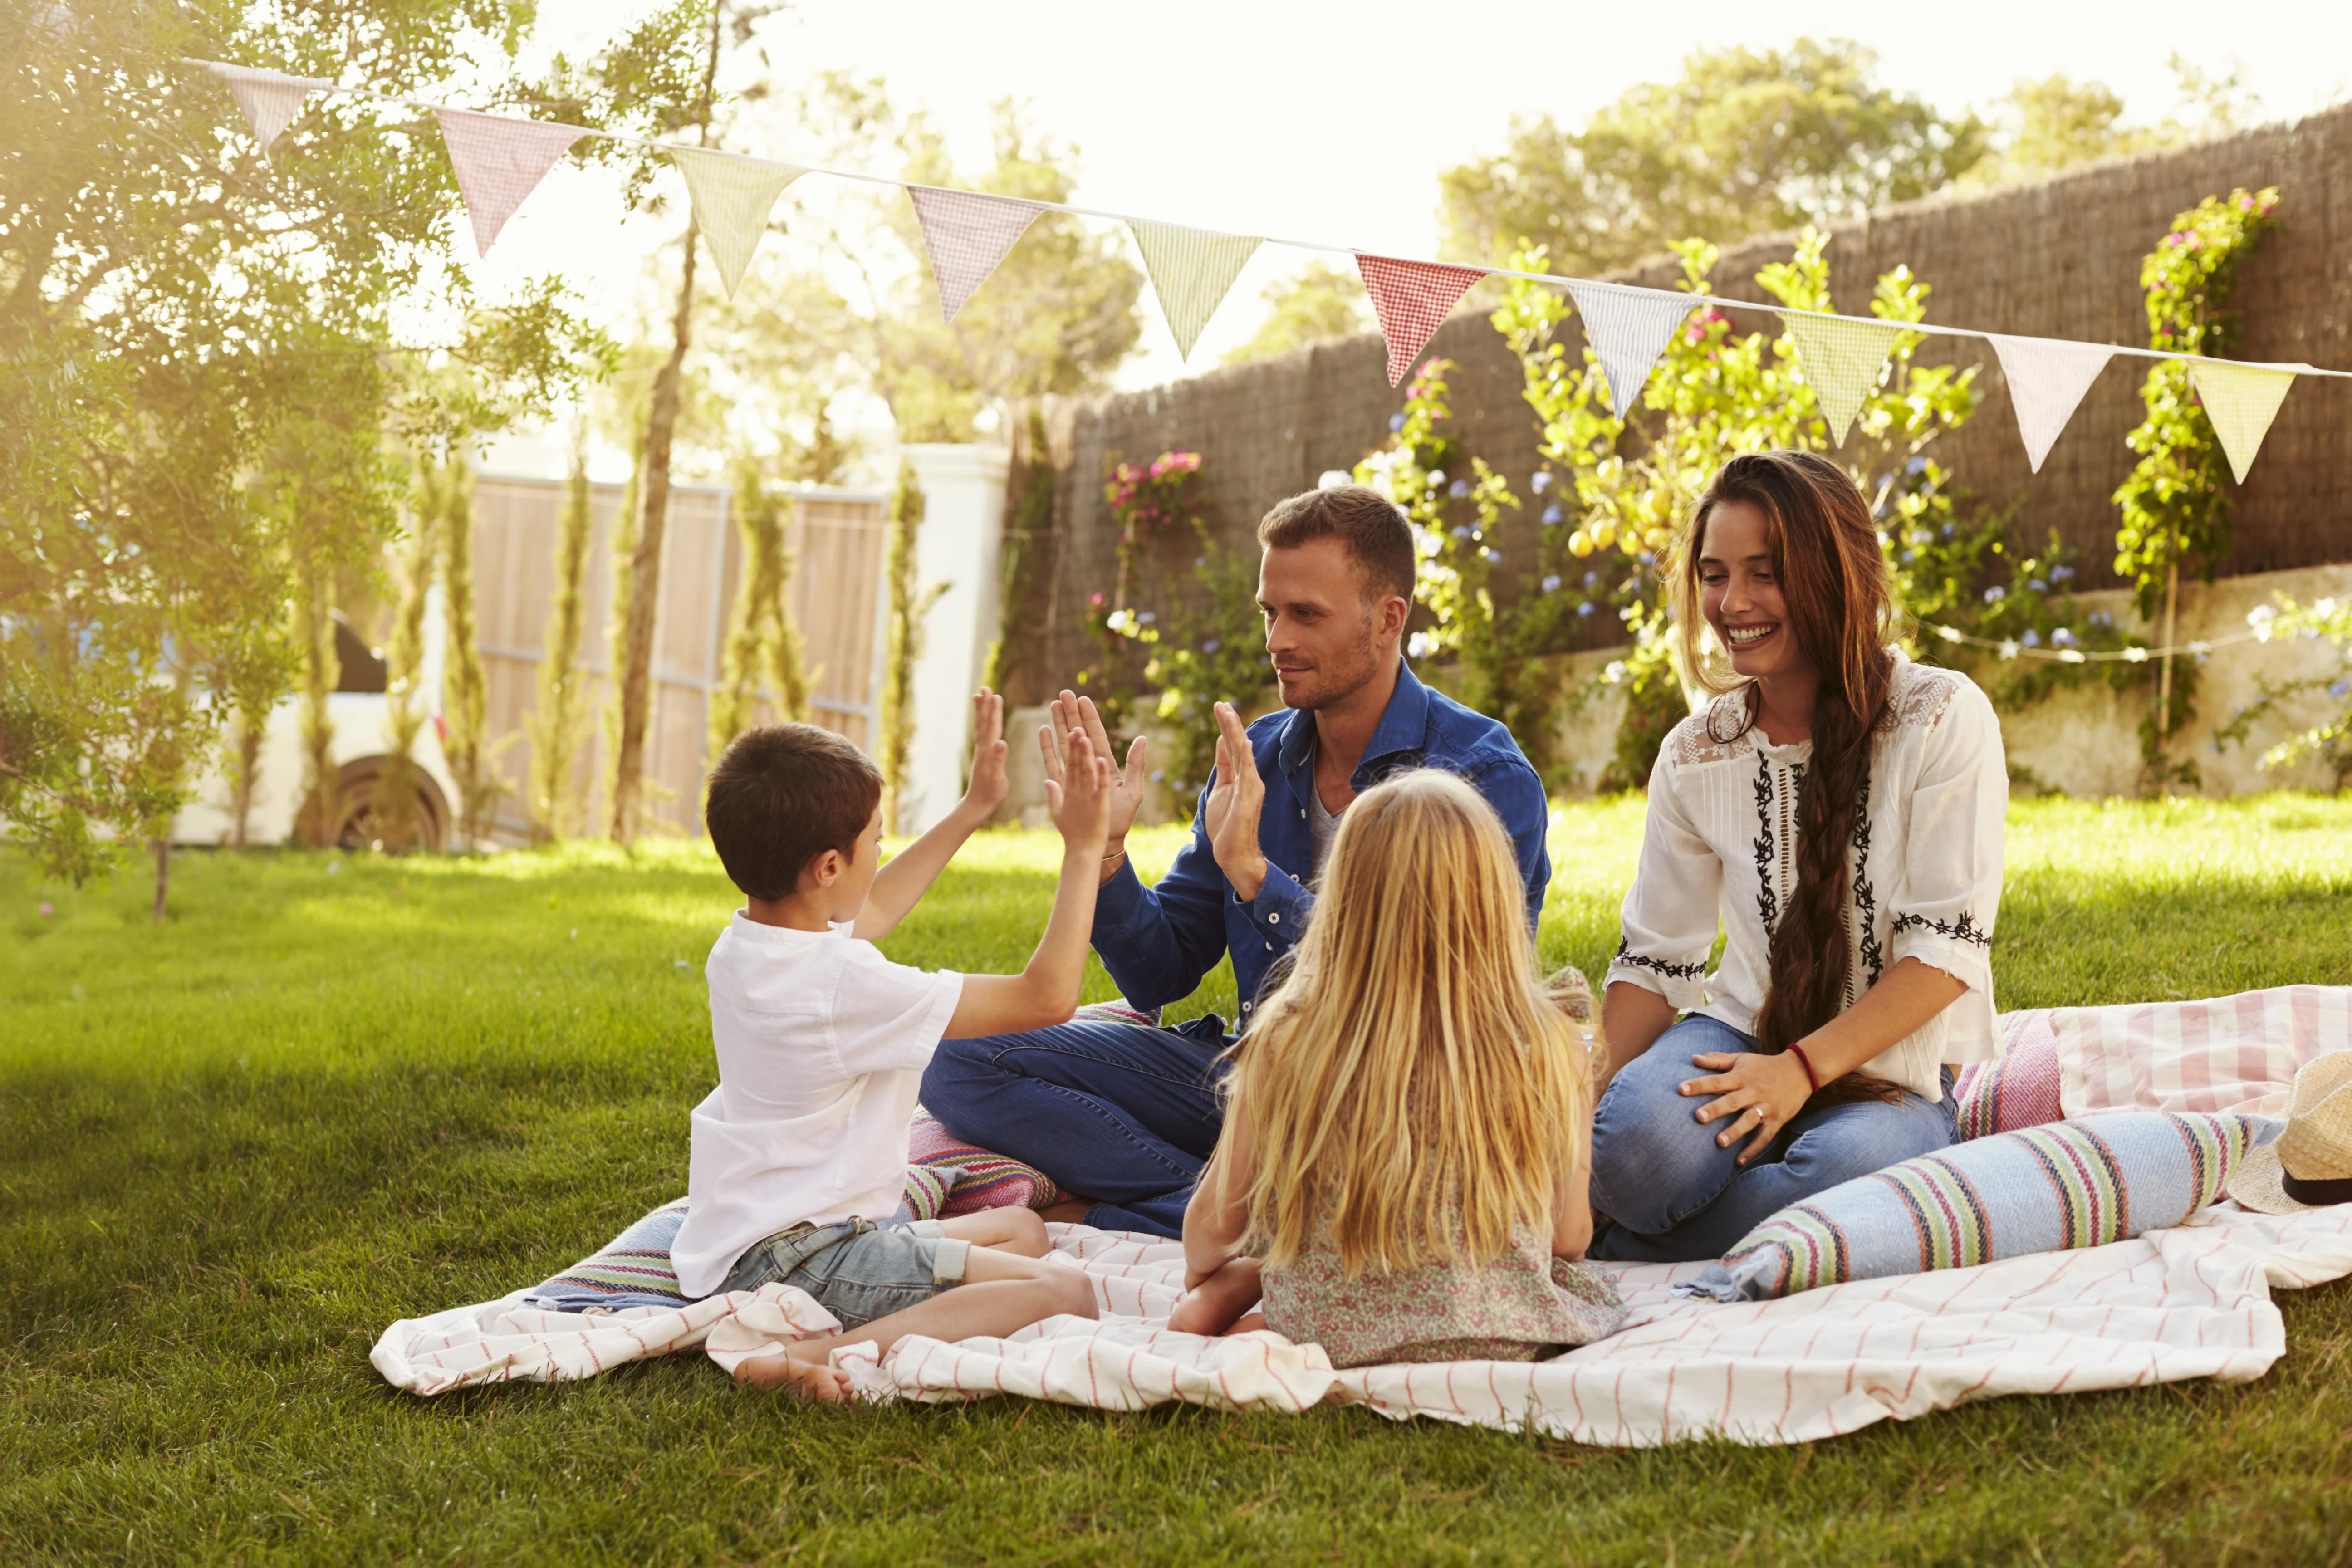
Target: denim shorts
[[856, 1269]]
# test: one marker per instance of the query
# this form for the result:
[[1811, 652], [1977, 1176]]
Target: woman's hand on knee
[[1755, 1095]]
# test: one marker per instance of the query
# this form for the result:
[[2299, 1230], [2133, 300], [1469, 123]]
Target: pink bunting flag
[[1410, 298], [968, 233], [271, 101], [2047, 379], [500, 162]]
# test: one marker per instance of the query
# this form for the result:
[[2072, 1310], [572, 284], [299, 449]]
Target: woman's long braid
[[1811, 954]]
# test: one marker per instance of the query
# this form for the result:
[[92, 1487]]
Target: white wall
[[958, 545]]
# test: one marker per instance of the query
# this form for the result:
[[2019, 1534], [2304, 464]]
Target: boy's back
[[821, 1044]]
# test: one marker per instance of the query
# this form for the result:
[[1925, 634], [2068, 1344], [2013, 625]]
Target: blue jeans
[[1675, 1196], [1120, 1113]]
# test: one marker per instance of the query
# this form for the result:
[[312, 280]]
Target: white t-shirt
[[821, 1044], [1926, 865]]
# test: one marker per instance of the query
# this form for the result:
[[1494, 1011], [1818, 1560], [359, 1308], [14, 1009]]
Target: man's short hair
[[1377, 538], [781, 796]]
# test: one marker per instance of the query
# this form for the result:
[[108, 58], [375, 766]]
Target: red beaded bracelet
[[1812, 1078]]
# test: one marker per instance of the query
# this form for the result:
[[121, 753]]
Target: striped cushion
[[2016, 1090], [2045, 1189]]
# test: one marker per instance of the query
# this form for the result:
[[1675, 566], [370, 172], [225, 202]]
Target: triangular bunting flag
[[1410, 298], [1842, 358], [500, 162], [2241, 400], [1191, 271], [272, 100], [2047, 380], [732, 196], [1628, 329], [968, 233]]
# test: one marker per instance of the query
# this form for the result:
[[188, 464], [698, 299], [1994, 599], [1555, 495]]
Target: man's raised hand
[[1078, 790], [1071, 711], [1234, 806], [987, 790]]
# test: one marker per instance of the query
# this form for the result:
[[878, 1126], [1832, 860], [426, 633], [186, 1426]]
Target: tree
[[448, 485], [1744, 142], [200, 372], [1321, 301], [909, 604], [2043, 128], [396, 800], [651, 76], [763, 644], [557, 723]]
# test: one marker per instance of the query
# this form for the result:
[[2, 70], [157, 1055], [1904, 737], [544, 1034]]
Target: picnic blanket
[[2193, 1301]]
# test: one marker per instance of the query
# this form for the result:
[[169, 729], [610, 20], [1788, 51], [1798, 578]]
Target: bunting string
[[2015, 647], [501, 159]]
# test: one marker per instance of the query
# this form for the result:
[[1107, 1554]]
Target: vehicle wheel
[[363, 827]]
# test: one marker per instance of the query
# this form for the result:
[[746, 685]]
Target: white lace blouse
[[1926, 858]]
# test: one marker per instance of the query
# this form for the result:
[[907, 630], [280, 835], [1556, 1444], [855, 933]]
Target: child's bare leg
[[1016, 1230], [1069, 1211], [1212, 1306], [1002, 1292]]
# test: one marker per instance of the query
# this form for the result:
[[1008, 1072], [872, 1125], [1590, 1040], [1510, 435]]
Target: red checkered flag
[[1411, 298], [500, 162]]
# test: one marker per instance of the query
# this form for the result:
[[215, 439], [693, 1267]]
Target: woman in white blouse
[[1838, 808]]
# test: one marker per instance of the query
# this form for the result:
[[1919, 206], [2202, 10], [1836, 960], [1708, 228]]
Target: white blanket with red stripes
[[2193, 1302], [2190, 1302]]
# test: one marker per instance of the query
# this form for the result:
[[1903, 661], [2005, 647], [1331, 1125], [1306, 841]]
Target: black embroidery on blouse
[[1671, 971], [1865, 897], [1767, 897], [1964, 930]]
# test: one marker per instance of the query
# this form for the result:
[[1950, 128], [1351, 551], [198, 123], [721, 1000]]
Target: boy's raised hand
[[1080, 787], [987, 790], [1072, 712]]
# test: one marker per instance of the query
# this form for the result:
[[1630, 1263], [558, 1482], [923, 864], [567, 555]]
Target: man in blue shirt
[[1127, 1114]]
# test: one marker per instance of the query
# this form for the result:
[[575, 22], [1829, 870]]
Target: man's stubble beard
[[1332, 686]]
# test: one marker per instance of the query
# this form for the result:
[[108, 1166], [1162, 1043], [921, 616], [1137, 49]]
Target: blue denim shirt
[[1157, 942]]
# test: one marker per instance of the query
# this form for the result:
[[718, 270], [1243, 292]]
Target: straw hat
[[2310, 1163]]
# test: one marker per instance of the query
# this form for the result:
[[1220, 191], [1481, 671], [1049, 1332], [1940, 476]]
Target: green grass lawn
[[334, 1092]]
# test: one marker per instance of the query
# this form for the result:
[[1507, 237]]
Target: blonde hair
[[1411, 1061]]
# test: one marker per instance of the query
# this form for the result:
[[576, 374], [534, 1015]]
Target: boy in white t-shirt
[[800, 1155]]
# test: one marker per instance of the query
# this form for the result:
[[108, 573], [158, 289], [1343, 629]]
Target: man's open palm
[[1236, 803]]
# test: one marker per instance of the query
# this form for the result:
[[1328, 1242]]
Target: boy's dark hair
[[782, 795], [1376, 535]]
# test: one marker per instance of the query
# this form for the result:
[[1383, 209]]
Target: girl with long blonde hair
[[1402, 1167]]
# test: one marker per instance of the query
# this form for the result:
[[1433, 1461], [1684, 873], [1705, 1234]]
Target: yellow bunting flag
[[732, 198], [2241, 400], [1191, 271], [1842, 358]]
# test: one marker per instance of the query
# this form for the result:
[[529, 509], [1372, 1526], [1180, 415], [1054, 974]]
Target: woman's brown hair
[[1832, 577]]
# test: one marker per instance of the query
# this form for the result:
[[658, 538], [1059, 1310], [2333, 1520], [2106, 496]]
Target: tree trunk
[[2164, 668], [652, 515], [163, 876]]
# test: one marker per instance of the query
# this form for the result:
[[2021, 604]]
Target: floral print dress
[[1522, 1306]]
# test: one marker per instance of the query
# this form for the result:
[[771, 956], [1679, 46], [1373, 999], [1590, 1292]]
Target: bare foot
[[1069, 1211], [1212, 1306], [814, 1380]]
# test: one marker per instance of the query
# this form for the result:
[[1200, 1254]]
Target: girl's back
[[1405, 1149]]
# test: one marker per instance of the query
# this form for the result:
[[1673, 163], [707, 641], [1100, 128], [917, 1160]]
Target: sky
[[1332, 123]]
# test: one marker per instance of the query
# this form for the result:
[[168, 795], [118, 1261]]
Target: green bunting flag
[[1191, 271], [1842, 358], [732, 198]]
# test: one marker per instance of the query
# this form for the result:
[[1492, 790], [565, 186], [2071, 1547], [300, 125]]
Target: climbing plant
[[2175, 512], [2329, 741], [1207, 648]]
